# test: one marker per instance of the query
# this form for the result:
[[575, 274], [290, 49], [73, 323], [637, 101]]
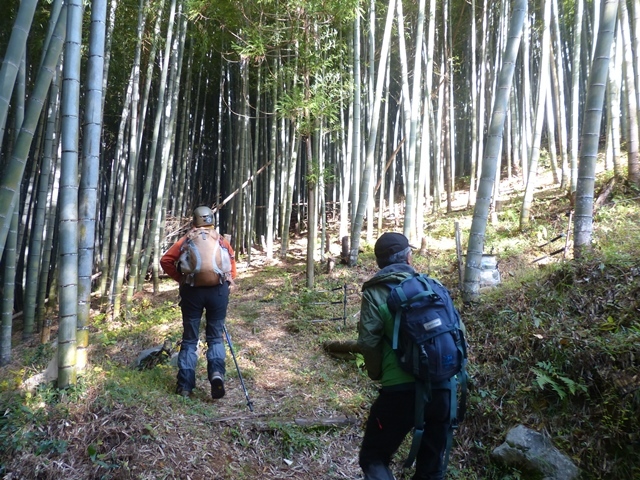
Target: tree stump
[[344, 255]]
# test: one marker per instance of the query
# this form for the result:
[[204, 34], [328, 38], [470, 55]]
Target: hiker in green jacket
[[392, 414]]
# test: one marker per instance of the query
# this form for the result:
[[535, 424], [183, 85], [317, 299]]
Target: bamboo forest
[[321, 119]]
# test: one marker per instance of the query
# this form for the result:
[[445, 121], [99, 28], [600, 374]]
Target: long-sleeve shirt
[[374, 330]]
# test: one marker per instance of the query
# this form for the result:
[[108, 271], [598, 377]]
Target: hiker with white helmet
[[203, 263]]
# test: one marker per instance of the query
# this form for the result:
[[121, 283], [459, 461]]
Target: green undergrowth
[[559, 352]]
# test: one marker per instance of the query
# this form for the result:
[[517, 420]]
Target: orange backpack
[[203, 260]]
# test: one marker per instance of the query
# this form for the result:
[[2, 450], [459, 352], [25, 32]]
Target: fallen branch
[[261, 424], [556, 252], [552, 240], [325, 422], [343, 350], [386, 167], [234, 193], [567, 236]]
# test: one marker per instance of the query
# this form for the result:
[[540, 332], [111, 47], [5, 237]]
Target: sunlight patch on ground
[[440, 243], [277, 378], [165, 286]]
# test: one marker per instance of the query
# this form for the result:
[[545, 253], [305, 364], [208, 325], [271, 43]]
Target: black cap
[[390, 243]]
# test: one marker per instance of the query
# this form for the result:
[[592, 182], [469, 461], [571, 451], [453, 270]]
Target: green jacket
[[376, 330]]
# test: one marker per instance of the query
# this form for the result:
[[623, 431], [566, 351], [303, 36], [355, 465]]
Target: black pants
[[391, 418]]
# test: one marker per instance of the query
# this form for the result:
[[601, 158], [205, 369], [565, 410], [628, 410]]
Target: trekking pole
[[246, 393]]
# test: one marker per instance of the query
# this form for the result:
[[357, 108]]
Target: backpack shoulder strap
[[386, 314], [191, 234], [384, 308]]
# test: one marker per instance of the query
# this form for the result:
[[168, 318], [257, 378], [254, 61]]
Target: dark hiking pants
[[193, 302], [391, 418]]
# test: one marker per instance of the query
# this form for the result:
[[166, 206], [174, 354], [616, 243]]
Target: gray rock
[[530, 451]]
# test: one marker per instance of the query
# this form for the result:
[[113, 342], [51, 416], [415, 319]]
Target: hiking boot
[[217, 385], [183, 392], [378, 471]]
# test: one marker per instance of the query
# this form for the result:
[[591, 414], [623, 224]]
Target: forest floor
[[308, 407]]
